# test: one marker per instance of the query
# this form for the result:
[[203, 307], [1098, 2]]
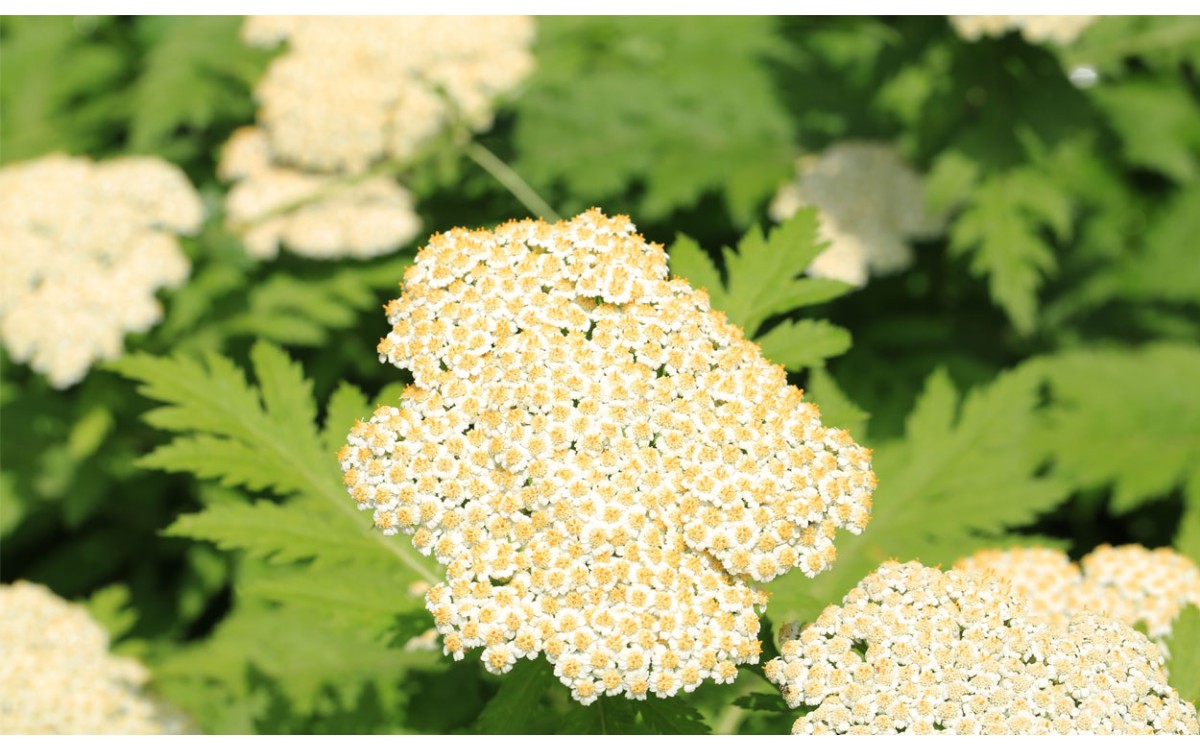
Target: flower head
[[314, 215], [915, 649], [57, 677], [871, 204], [84, 247], [350, 91], [1036, 29], [1128, 583], [602, 461]]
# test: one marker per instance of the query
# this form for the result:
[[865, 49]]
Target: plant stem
[[505, 175]]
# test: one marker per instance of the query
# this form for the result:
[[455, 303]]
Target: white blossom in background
[[917, 650], [85, 245], [871, 204], [353, 90], [57, 677], [313, 215], [1128, 583], [602, 462], [1061, 30]]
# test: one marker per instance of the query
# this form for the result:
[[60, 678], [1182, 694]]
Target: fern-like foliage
[[763, 281], [963, 474], [1126, 418], [622, 100], [318, 581]]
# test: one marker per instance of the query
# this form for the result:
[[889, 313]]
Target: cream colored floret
[[85, 246], [870, 203], [57, 677], [914, 649], [601, 461]]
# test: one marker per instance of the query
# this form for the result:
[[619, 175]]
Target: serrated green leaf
[[347, 405], [762, 282], [516, 707], [837, 410], [1126, 418], [604, 716], [963, 473], [616, 101], [1183, 666], [1001, 232], [1158, 121], [797, 344]]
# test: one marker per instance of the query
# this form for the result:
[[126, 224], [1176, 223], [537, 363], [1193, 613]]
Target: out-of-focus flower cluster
[[85, 246], [600, 459], [915, 649], [871, 204], [347, 93], [1129, 583], [352, 90], [57, 677], [1035, 29], [314, 215]]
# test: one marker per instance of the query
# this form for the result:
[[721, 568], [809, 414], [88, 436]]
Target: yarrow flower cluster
[[1035, 29], [352, 90], [315, 215], [601, 460], [918, 650], [871, 204], [57, 677], [85, 246], [1128, 583]]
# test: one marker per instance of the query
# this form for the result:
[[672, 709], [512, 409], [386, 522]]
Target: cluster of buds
[[1035, 29], [871, 204], [347, 94], [601, 461], [1128, 583], [57, 677], [913, 649], [85, 246]]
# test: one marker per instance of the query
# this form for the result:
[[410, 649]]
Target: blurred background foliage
[[1032, 376]]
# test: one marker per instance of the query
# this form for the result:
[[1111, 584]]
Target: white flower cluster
[[84, 247], [1035, 29], [601, 460], [871, 203], [352, 90], [913, 649], [57, 677], [1129, 583], [315, 215]]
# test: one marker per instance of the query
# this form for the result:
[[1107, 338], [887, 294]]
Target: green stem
[[505, 175]]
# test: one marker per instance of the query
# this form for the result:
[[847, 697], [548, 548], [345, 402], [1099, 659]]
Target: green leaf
[[763, 281], [764, 702], [195, 72], [649, 100], [1001, 231], [962, 474], [110, 607], [604, 716], [670, 716], [1158, 122], [1183, 666], [258, 438], [797, 344], [837, 410], [1125, 418], [58, 86], [517, 706]]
